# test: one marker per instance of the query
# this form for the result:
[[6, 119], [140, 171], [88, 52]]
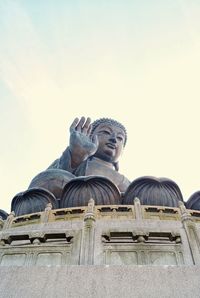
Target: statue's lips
[[111, 146]]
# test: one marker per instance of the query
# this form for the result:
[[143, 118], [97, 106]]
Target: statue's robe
[[91, 166]]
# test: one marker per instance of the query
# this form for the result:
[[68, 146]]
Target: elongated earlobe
[[116, 165]]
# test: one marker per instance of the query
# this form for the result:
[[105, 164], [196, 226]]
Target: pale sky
[[137, 61]]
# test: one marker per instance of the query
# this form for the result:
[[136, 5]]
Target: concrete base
[[100, 281]]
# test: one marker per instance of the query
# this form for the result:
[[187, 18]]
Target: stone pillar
[[9, 220], [47, 214], [191, 232], [88, 231], [138, 209], [1, 223]]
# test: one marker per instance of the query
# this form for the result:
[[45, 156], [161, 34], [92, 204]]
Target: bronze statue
[[88, 168], [94, 149]]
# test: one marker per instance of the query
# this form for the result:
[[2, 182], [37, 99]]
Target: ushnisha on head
[[109, 121]]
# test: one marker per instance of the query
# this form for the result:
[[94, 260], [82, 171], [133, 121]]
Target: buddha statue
[[94, 149], [88, 168]]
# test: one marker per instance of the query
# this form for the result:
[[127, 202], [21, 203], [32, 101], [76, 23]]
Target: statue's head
[[112, 137]]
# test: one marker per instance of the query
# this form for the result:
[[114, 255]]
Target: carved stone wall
[[102, 235], [134, 250]]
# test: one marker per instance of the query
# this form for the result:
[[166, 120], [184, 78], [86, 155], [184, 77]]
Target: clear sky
[[137, 61]]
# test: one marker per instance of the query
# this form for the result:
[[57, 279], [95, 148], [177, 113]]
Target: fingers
[[74, 124], [80, 124], [89, 130], [83, 125], [87, 126]]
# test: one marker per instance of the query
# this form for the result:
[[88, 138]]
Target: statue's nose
[[113, 139]]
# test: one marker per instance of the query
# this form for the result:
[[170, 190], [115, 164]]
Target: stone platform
[[100, 281], [101, 251]]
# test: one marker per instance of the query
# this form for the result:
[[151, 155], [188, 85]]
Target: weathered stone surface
[[100, 281], [102, 235]]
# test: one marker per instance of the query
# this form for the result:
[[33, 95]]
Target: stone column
[[192, 233], [138, 209], [88, 232]]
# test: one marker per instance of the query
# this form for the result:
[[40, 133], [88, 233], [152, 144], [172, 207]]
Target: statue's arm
[[64, 162]]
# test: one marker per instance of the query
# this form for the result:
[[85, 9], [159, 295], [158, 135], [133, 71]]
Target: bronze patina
[[95, 149], [88, 168]]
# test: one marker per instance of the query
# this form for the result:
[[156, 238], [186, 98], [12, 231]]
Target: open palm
[[81, 142]]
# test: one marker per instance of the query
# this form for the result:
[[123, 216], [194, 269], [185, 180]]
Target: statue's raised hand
[[81, 144]]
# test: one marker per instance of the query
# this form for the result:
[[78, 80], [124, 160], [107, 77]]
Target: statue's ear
[[116, 165]]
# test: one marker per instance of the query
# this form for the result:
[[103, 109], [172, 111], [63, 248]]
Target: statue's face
[[111, 142]]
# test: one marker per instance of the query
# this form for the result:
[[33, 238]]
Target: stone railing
[[136, 211]]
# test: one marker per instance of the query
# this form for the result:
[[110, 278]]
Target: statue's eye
[[105, 132], [120, 139]]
